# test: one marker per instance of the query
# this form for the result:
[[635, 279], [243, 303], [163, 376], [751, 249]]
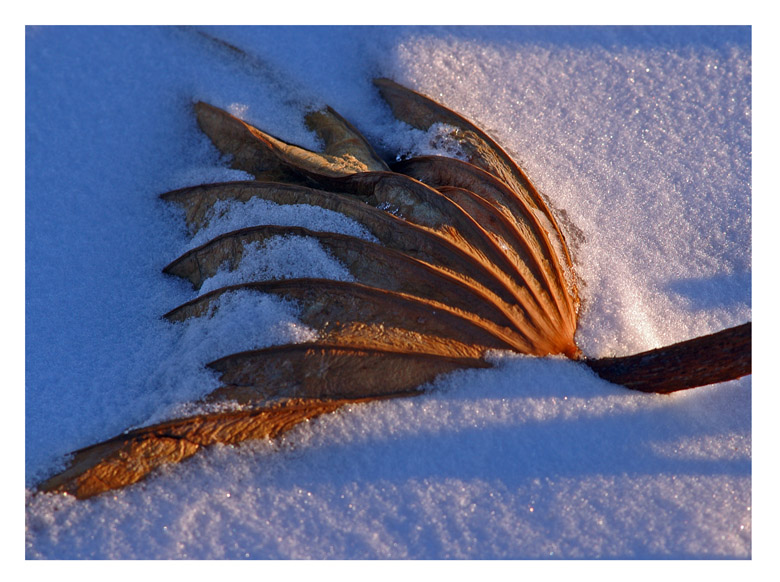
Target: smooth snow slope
[[640, 137]]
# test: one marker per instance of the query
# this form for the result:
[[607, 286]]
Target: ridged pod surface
[[469, 259]]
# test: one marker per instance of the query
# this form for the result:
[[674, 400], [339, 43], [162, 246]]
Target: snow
[[639, 137]]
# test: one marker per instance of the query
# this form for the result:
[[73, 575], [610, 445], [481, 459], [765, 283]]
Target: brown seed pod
[[470, 259], [129, 457], [393, 232], [359, 315], [319, 370], [369, 263]]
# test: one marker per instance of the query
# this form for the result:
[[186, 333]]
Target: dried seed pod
[[422, 112], [129, 457], [266, 156], [342, 140], [334, 170], [318, 370], [393, 232], [369, 263], [549, 301], [472, 260], [533, 244], [358, 315]]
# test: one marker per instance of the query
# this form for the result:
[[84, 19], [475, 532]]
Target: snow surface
[[639, 137]]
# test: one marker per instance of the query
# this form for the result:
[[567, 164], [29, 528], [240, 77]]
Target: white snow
[[639, 137], [281, 257], [229, 215]]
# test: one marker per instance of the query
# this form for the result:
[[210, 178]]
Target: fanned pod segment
[[129, 457], [317, 370], [513, 221], [358, 315], [265, 156], [431, 244], [510, 232], [470, 259], [422, 112], [369, 263], [435, 244]]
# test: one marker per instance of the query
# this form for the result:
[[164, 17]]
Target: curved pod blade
[[421, 112], [268, 157], [317, 370], [393, 232], [362, 316], [369, 263], [130, 457]]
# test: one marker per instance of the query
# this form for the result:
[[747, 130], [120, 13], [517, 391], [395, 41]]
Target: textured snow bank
[[541, 460], [642, 136]]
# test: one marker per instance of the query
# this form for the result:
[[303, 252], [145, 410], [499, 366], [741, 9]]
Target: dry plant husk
[[469, 259]]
